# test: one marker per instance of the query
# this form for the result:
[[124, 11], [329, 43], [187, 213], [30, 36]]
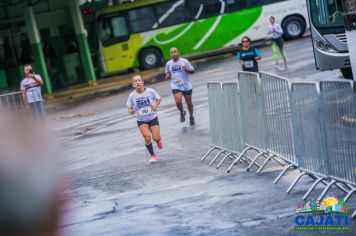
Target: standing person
[[144, 102], [248, 56], [178, 70], [277, 40], [31, 92]]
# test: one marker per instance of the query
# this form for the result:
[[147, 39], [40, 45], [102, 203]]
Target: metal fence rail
[[276, 91], [309, 125], [12, 102], [231, 125], [338, 103], [252, 117], [215, 95], [309, 134]]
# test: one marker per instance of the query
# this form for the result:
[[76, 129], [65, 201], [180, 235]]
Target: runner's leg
[[274, 51], [280, 44], [156, 135], [145, 131], [178, 100]]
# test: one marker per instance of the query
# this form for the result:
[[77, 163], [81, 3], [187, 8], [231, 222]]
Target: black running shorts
[[188, 92], [149, 123]]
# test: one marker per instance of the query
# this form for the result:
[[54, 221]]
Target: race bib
[[144, 111], [178, 81], [249, 64]]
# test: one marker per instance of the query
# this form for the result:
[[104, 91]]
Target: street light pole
[[349, 7]]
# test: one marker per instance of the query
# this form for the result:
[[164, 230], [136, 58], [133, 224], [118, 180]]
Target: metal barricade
[[12, 103], [231, 121], [252, 117], [216, 113], [338, 103], [276, 92], [309, 134]]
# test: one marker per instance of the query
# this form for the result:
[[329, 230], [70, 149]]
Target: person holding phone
[[31, 92]]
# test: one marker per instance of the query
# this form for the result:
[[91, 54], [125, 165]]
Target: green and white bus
[[140, 34], [328, 36]]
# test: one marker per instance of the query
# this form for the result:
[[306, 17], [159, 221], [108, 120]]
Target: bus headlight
[[325, 46]]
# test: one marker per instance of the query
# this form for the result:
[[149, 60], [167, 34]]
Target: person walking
[[178, 69], [277, 40], [31, 92], [248, 56], [144, 102]]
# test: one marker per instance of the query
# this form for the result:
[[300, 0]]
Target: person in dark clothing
[[248, 56]]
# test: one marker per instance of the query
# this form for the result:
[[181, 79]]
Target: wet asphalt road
[[115, 191]]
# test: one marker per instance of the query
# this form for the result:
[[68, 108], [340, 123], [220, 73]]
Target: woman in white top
[[144, 102], [277, 39]]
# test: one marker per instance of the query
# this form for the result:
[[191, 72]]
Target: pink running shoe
[[160, 144], [153, 159]]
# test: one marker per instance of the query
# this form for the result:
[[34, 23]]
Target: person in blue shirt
[[248, 56], [277, 40]]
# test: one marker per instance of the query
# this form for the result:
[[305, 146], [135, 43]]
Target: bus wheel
[[346, 72], [293, 27], [150, 58]]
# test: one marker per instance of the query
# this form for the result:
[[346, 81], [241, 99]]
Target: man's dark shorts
[[149, 123], [188, 92]]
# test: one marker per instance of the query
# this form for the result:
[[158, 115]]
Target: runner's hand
[[154, 107], [131, 110]]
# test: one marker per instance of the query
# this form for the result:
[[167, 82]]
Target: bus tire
[[346, 72], [293, 27], [150, 58]]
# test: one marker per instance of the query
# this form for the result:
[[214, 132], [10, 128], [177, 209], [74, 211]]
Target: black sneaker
[[182, 116], [191, 121]]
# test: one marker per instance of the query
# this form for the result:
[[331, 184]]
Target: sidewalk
[[76, 94]]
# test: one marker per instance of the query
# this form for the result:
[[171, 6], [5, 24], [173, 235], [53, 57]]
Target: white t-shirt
[[142, 103], [276, 30], [32, 88], [179, 78]]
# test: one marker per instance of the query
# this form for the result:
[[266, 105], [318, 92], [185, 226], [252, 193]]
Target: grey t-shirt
[[179, 78], [32, 88], [142, 102]]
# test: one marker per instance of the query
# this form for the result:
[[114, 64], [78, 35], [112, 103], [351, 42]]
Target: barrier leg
[[264, 164], [237, 159], [216, 157], [353, 215], [295, 182], [331, 183], [349, 194], [282, 173], [222, 161], [316, 182], [279, 161], [205, 156], [343, 188], [254, 160]]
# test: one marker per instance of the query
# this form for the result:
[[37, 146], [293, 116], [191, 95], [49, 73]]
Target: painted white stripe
[[181, 33], [211, 30], [170, 10]]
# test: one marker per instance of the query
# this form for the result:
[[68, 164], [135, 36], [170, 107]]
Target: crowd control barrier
[[308, 125]]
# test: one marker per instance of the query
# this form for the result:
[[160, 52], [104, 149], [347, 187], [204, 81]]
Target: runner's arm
[[131, 110], [257, 54], [155, 104], [239, 59]]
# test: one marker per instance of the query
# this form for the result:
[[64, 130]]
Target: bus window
[[208, 8], [142, 19], [327, 13], [112, 30], [172, 13]]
